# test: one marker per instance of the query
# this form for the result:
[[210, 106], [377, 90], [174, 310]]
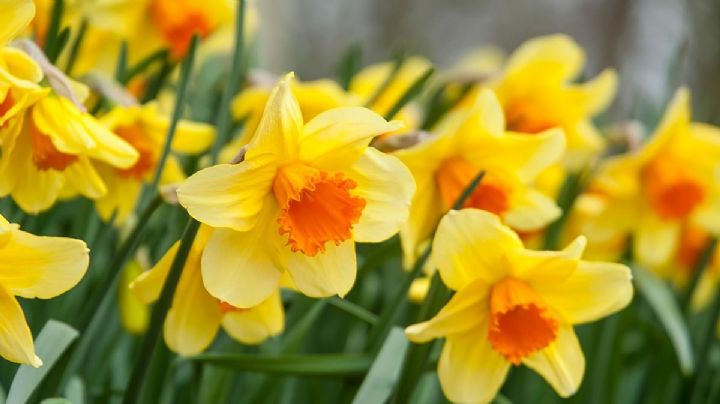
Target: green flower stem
[[410, 94], [353, 309], [223, 122], [52, 36], [157, 319], [186, 73], [75, 47], [101, 302]]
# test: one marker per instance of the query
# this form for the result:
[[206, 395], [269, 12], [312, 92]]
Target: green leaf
[[663, 303], [385, 371], [330, 365], [353, 309], [75, 390], [53, 340], [411, 93]]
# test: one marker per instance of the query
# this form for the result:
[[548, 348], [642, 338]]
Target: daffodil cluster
[[403, 196]]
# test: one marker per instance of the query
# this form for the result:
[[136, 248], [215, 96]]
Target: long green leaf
[[51, 343], [331, 365], [385, 371], [663, 303]]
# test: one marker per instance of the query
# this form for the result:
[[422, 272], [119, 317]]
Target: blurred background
[[655, 45]]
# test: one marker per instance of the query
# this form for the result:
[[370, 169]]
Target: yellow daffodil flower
[[298, 202], [366, 83], [196, 316], [537, 93], [19, 88], [32, 267], [145, 129], [469, 141], [669, 182], [313, 97], [513, 306]]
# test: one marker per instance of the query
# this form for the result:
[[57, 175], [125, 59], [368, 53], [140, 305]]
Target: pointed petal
[[387, 187], [531, 210], [16, 342], [558, 57], [337, 138], [562, 363], [467, 310], [656, 240], [593, 291], [148, 285], [83, 178], [331, 272], [281, 126], [470, 371], [227, 195]]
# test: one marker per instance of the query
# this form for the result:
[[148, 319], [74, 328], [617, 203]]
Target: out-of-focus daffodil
[[196, 316], [313, 97], [367, 82], [146, 129], [536, 92], [32, 267], [15, 15], [668, 183], [513, 306], [469, 141], [298, 202], [134, 314]]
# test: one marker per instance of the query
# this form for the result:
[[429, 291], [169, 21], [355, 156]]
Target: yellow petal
[[194, 317], [331, 272], [122, 193], [281, 126], [41, 267], [550, 267], [530, 210], [59, 119], [134, 315], [471, 244], [470, 371], [467, 310], [674, 124], [425, 212], [551, 58], [387, 187], [19, 69], [562, 363], [337, 138], [243, 268], [15, 15], [595, 95], [83, 178], [595, 290], [148, 285], [256, 324], [227, 195], [485, 116], [109, 147], [190, 137], [656, 240], [16, 342], [524, 155]]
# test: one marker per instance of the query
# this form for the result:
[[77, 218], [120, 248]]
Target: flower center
[[456, 173], [45, 155], [520, 322], [522, 116], [178, 20], [316, 207], [672, 189], [145, 147]]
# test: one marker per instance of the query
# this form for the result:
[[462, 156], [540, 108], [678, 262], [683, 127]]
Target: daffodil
[[313, 97], [47, 152], [366, 86], [32, 267], [668, 183], [19, 88], [298, 202], [537, 92], [145, 128], [196, 316], [465, 143], [513, 306]]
